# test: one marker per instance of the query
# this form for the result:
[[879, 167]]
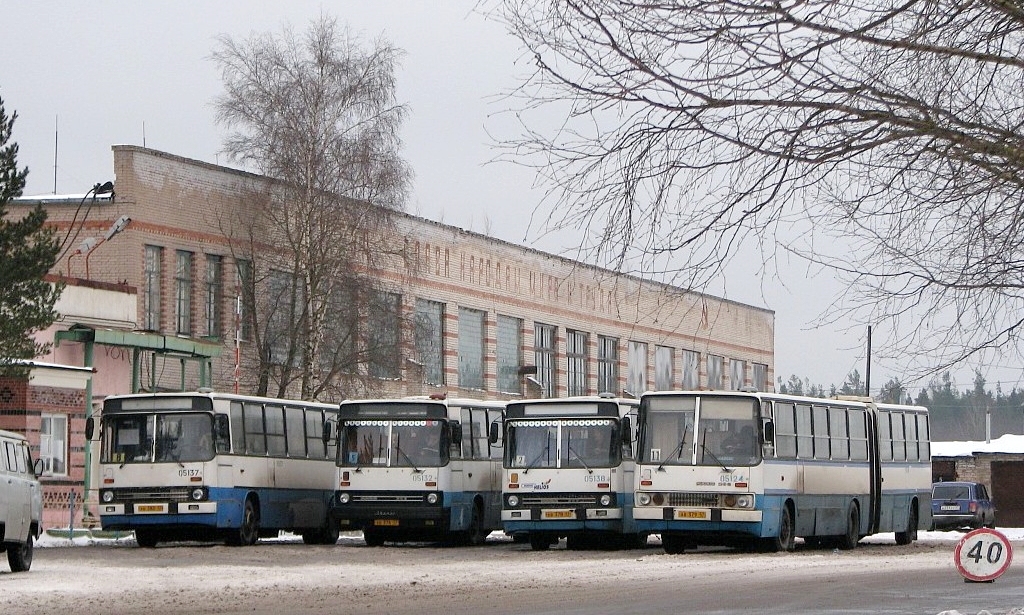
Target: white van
[[21, 501]]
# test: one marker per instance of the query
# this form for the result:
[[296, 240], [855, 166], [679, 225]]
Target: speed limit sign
[[983, 555]]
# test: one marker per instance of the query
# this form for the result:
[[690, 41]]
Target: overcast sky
[[84, 76]]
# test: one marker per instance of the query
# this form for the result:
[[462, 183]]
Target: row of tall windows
[[278, 431], [184, 268], [825, 431]]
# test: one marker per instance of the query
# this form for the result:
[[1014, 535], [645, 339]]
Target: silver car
[[21, 501]]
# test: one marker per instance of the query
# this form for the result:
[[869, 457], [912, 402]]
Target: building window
[[607, 364], [382, 335], [214, 295], [691, 370], [759, 375], [576, 362], [714, 372], [53, 440], [510, 345], [183, 293], [429, 337], [663, 368], [283, 299], [544, 355], [636, 379], [244, 300], [471, 348], [151, 291], [737, 374]]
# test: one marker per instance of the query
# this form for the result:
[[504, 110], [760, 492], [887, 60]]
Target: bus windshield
[[723, 432], [384, 443], [157, 438], [570, 443]]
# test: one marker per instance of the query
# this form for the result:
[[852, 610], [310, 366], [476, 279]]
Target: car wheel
[[19, 556]]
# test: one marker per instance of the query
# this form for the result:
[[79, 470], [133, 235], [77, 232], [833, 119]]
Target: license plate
[[693, 514], [947, 507], [143, 508], [386, 522], [559, 514]]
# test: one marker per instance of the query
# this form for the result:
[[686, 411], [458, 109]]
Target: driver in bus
[[740, 443]]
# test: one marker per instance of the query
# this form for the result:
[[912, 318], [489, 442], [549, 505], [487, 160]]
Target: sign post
[[982, 556]]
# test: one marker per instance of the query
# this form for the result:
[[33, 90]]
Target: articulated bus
[[569, 472], [211, 466], [760, 469], [418, 469]]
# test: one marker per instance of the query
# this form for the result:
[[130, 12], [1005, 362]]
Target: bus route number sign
[[983, 555]]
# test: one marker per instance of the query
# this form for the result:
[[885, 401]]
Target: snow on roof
[[1008, 443]]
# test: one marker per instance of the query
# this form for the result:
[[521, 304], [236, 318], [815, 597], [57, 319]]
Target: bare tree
[[317, 115], [885, 137]]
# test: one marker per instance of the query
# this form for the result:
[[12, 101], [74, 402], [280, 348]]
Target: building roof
[[1008, 443]]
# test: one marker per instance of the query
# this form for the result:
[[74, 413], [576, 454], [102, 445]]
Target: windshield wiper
[[544, 451], [678, 450], [415, 469], [573, 451], [707, 451]]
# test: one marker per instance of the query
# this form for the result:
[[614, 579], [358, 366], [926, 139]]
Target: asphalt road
[[500, 577]]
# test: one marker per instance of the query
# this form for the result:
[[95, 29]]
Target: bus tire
[[19, 556], [849, 540], [539, 541], [249, 531], [673, 545], [909, 536], [476, 535], [784, 539], [146, 537], [373, 538]]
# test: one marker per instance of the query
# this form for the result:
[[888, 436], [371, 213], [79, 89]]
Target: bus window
[[858, 435], [804, 432], [821, 433], [839, 434], [785, 431]]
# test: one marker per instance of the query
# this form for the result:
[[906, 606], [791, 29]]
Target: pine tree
[[28, 249]]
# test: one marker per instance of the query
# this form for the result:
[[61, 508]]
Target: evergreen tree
[[28, 250]]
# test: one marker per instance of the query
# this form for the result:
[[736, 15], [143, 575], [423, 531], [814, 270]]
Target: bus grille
[[149, 494], [693, 499], [387, 498], [558, 500]]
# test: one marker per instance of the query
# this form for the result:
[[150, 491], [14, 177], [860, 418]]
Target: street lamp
[[90, 243], [95, 191]]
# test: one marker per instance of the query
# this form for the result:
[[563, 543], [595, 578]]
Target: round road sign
[[983, 555]]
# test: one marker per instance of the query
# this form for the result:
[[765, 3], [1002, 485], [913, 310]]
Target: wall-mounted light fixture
[[90, 243]]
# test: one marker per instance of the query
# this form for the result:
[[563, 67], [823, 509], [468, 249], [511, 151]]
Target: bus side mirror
[[90, 428], [456, 428], [492, 433], [328, 432], [38, 466], [769, 431], [627, 430]]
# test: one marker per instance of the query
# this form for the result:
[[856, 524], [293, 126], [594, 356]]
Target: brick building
[[998, 463], [510, 321]]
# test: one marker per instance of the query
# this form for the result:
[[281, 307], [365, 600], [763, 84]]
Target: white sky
[[112, 72]]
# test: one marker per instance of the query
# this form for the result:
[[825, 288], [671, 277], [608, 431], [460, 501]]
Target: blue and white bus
[[760, 469], [418, 469], [568, 472], [211, 466]]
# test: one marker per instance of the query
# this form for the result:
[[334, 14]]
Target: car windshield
[[420, 443], [951, 492], [157, 438]]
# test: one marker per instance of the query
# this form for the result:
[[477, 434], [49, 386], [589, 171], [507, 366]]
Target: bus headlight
[[431, 498], [606, 500], [745, 501], [198, 494], [512, 501], [344, 498], [643, 499], [107, 497]]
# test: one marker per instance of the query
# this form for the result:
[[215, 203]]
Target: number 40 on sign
[[983, 555]]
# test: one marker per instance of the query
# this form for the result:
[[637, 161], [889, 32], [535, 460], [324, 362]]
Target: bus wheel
[[476, 535], [373, 538], [909, 536], [19, 556], [673, 545], [849, 540], [249, 532], [146, 537], [785, 539], [539, 541]]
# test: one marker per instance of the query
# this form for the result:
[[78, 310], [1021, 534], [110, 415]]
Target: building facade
[[505, 321]]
